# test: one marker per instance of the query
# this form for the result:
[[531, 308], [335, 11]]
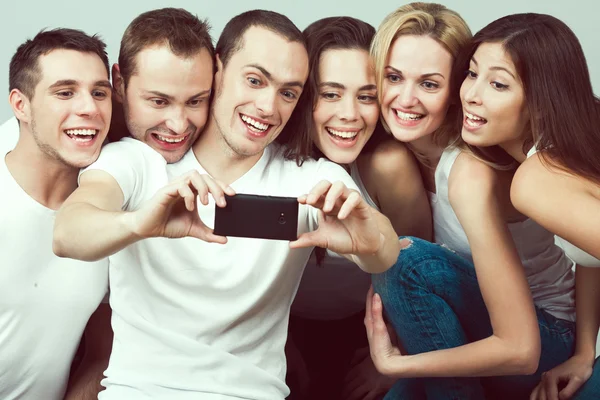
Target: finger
[[195, 181], [213, 188], [189, 197], [337, 191], [535, 392], [550, 382], [573, 386], [368, 312], [353, 201], [320, 189]]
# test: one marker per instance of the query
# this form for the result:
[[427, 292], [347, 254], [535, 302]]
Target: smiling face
[[416, 87], [257, 90], [166, 101], [347, 111], [71, 107], [493, 100]]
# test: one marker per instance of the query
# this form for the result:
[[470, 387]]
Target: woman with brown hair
[[527, 98], [490, 311], [340, 112]]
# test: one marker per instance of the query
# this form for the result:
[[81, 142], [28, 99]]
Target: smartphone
[[255, 216]]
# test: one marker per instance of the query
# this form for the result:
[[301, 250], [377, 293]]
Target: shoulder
[[536, 178], [387, 158]]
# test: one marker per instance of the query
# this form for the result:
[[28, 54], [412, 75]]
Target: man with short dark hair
[[163, 81], [61, 96], [208, 318]]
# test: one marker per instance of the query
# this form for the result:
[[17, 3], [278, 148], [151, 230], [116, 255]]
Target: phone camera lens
[[281, 219]]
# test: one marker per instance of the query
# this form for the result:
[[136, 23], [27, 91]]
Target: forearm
[[587, 300], [85, 232], [86, 383], [387, 254], [492, 356]]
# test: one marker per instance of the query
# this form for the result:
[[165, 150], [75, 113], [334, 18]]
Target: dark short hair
[[231, 39], [564, 113], [24, 70], [183, 32]]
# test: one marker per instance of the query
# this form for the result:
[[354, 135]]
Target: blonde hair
[[441, 24]]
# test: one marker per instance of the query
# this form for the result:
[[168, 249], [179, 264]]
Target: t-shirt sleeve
[[127, 161]]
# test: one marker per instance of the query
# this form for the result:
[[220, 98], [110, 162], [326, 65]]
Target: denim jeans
[[432, 298]]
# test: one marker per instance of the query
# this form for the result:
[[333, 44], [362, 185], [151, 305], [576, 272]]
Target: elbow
[[59, 242], [527, 358]]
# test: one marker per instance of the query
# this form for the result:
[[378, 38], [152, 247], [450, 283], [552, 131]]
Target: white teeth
[[343, 134], [258, 125], [474, 117], [171, 139], [78, 139], [408, 116], [82, 132]]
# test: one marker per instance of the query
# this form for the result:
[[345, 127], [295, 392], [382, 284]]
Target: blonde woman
[[501, 303]]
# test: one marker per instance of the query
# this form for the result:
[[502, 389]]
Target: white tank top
[[548, 270], [575, 253], [337, 288]]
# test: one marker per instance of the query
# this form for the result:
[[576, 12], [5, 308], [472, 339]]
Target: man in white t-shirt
[[60, 94], [208, 318]]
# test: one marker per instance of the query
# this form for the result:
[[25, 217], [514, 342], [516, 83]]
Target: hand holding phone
[[256, 216]]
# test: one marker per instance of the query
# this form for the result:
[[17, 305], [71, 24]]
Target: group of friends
[[449, 211]]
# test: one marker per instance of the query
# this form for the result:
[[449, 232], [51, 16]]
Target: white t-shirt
[[336, 289], [198, 320], [9, 135], [45, 301]]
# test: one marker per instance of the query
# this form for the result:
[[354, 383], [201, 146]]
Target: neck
[[46, 180], [427, 152], [218, 159], [515, 150]]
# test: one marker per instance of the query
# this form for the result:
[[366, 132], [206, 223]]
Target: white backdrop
[[20, 20]]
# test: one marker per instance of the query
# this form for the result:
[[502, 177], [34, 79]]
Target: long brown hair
[[333, 33], [564, 113]]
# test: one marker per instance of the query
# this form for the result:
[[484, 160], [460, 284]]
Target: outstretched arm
[[350, 227], [90, 225]]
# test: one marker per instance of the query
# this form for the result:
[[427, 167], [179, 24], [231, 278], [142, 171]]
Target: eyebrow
[[269, 77], [171, 98], [73, 82], [496, 68], [340, 86], [427, 75]]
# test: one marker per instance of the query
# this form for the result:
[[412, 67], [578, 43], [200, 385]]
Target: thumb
[[308, 239]]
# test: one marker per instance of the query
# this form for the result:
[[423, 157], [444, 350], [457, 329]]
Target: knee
[[420, 264]]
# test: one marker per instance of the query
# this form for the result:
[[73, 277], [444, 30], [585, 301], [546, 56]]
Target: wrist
[[586, 355], [128, 222]]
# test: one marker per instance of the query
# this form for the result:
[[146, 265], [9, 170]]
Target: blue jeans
[[432, 298]]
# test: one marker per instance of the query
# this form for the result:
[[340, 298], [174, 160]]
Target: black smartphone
[[255, 216]]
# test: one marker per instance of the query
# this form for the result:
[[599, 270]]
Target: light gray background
[[20, 20]]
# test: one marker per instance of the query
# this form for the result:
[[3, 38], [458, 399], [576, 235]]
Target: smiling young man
[[163, 81], [208, 318], [61, 96]]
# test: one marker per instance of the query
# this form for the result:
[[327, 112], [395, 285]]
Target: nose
[[177, 120], [87, 106], [265, 103], [407, 97], [348, 110], [470, 91]]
